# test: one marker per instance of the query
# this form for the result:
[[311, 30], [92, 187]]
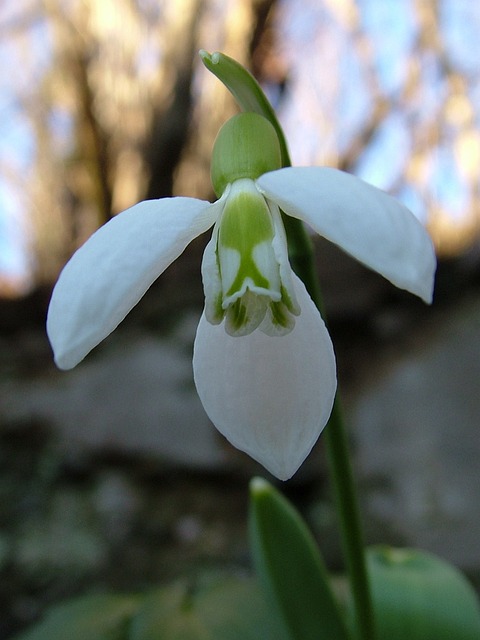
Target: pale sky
[[331, 105]]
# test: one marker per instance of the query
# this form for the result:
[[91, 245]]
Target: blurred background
[[111, 476]]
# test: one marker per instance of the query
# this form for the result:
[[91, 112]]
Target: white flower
[[263, 361]]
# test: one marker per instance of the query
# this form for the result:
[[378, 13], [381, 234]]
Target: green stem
[[250, 97], [350, 522], [341, 472]]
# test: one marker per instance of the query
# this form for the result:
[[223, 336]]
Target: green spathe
[[246, 147]]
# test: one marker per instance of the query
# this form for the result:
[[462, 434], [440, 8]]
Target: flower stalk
[[250, 97], [340, 467]]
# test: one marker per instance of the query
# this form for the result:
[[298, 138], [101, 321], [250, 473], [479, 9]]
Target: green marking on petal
[[291, 305], [217, 308], [212, 283], [244, 248], [245, 314], [278, 320], [237, 315], [248, 271], [280, 315], [245, 269], [246, 220]]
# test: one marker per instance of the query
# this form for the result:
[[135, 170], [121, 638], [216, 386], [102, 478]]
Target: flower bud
[[246, 147]]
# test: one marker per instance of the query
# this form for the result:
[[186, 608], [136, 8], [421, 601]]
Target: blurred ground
[[113, 478]]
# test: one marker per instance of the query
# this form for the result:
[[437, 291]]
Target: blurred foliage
[[110, 105], [226, 609], [416, 595], [118, 107]]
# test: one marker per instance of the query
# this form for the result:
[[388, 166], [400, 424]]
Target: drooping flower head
[[246, 274], [263, 361]]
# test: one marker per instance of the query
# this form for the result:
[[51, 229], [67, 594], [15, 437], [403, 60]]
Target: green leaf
[[420, 597], [230, 609], [246, 91], [168, 613], [290, 567], [226, 609], [93, 617]]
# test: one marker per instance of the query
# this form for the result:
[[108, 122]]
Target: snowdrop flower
[[263, 361]]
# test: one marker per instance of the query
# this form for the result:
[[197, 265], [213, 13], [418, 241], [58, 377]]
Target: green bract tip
[[259, 486], [246, 147]]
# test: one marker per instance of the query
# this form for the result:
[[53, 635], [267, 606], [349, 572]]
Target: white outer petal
[[269, 396], [109, 274], [363, 220]]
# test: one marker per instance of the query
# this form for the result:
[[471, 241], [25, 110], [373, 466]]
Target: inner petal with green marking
[[244, 246], [253, 294]]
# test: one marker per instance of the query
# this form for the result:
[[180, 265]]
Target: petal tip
[[276, 464], [65, 362], [270, 397]]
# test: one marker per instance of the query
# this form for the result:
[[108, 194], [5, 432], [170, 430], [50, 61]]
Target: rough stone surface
[[415, 424], [137, 397], [75, 519], [417, 436]]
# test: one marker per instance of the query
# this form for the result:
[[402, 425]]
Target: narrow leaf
[[290, 567]]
